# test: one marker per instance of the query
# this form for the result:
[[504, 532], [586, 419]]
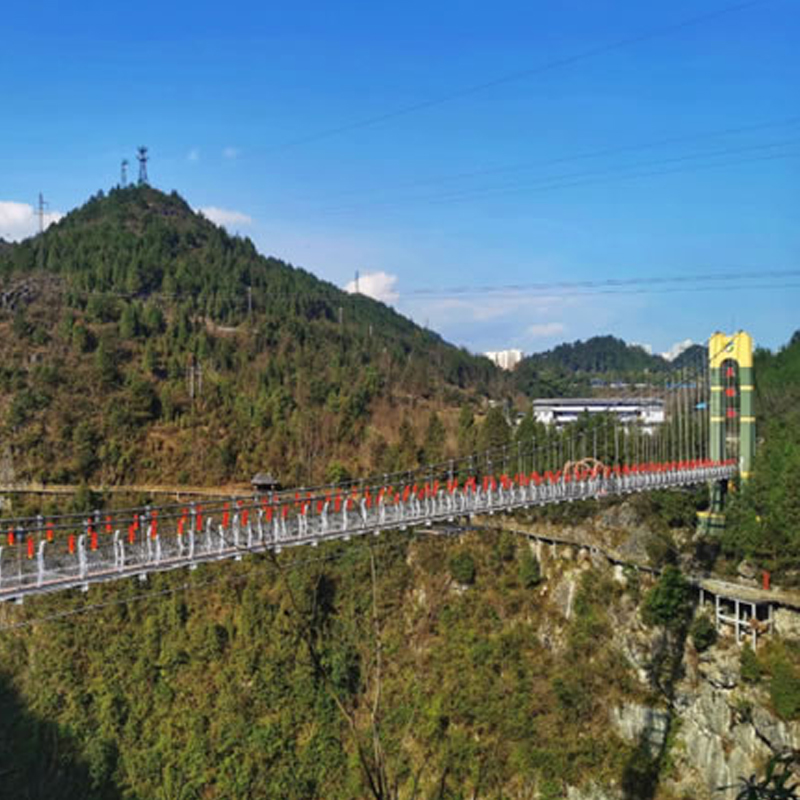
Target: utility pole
[[123, 177], [357, 291]]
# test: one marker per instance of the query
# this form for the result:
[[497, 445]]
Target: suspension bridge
[[708, 438]]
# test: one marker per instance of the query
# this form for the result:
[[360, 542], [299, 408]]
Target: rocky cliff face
[[726, 727], [719, 728]]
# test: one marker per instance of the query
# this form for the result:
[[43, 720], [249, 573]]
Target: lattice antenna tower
[[141, 155], [123, 176]]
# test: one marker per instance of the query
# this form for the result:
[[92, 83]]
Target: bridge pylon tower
[[732, 422]]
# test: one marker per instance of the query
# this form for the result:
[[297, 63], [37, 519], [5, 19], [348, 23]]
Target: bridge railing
[[37, 561]]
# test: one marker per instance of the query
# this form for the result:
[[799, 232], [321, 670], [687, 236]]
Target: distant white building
[[647, 412], [505, 359]]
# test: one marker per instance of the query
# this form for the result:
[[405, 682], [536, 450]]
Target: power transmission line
[[585, 156], [588, 177], [513, 77], [661, 284], [601, 285]]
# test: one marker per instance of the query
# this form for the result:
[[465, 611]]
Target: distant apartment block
[[505, 359], [647, 412]]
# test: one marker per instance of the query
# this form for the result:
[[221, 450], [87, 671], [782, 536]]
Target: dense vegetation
[[427, 667], [147, 343], [763, 515], [344, 673], [573, 369]]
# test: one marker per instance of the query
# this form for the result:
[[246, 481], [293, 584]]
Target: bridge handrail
[[38, 564]]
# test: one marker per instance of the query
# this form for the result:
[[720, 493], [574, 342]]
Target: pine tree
[[129, 322], [434, 440], [407, 451], [495, 431], [467, 436]]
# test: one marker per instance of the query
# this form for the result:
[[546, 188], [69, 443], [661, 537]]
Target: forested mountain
[[140, 342], [571, 369], [689, 357], [599, 354], [568, 368], [147, 343]]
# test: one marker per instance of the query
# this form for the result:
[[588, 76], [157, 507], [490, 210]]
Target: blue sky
[[673, 155]]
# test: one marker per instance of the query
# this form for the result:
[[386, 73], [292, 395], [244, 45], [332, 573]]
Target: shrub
[[667, 603], [703, 633], [784, 689], [749, 665], [530, 573], [574, 698], [506, 546], [462, 568], [660, 549]]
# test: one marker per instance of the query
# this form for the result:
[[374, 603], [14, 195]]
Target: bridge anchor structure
[[732, 422]]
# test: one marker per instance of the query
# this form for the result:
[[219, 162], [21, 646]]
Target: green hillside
[[568, 368], [763, 516], [419, 674], [689, 357], [133, 303], [571, 369]]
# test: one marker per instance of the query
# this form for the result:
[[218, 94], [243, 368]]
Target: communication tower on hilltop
[[141, 155], [40, 211], [123, 178]]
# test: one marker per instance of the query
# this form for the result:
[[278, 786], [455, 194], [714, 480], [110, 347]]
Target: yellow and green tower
[[732, 422]]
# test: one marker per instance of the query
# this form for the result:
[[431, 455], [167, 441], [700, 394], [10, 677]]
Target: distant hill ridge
[[570, 368], [606, 354]]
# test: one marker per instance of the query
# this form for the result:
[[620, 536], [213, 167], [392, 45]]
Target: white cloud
[[226, 217], [544, 330], [20, 220], [230, 152], [194, 154], [677, 349], [490, 307], [377, 285]]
